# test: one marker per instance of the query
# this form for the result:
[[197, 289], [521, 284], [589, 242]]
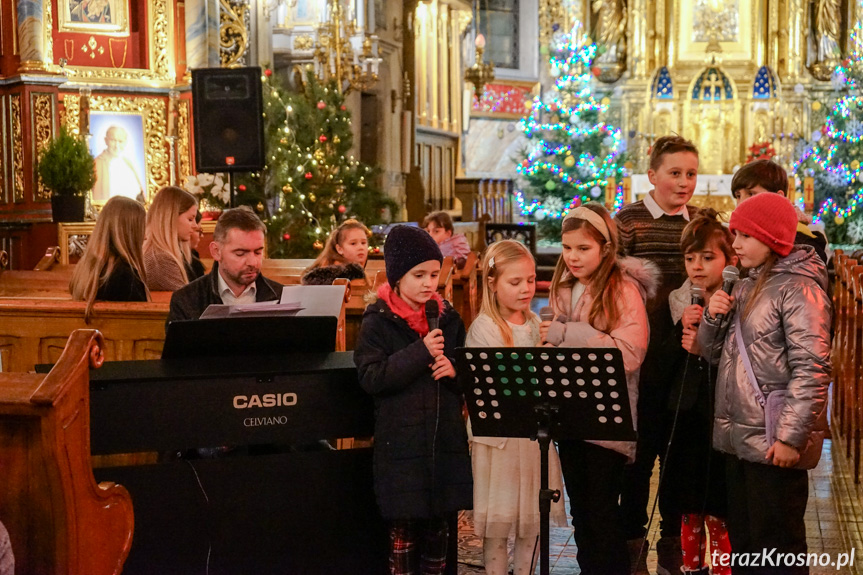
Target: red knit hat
[[769, 218]]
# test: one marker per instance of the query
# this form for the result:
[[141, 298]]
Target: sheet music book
[[264, 308]]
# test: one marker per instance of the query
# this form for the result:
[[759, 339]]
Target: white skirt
[[506, 483]]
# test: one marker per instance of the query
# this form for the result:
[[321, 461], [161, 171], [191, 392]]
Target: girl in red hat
[[771, 338]]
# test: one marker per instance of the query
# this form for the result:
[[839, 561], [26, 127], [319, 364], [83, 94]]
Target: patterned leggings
[[693, 541], [418, 546]]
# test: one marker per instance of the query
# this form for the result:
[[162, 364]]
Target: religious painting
[[117, 144], [505, 99], [304, 13], [109, 17], [728, 24]]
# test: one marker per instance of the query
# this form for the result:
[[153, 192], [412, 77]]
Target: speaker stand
[[231, 187]]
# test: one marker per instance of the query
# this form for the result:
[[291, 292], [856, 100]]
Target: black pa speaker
[[228, 119]]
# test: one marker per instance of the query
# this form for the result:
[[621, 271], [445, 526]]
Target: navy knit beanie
[[405, 248]]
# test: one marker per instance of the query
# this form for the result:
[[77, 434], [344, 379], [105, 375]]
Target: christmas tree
[[310, 183], [833, 156], [573, 152]]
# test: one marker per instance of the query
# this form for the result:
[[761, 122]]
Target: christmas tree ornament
[[550, 185], [838, 220], [309, 175], [312, 198], [816, 105], [318, 245], [268, 72], [569, 162], [322, 138], [342, 209], [321, 105], [337, 140], [260, 207], [286, 236]]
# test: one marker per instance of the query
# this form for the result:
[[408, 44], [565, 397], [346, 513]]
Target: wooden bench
[[49, 260], [34, 331], [59, 519]]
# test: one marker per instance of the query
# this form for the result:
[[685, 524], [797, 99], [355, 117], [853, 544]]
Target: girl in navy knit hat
[[773, 334], [422, 468]]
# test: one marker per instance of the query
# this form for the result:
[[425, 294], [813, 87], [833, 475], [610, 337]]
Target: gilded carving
[[233, 32], [550, 12], [42, 120], [183, 149], [155, 117], [160, 56], [304, 42], [17, 148]]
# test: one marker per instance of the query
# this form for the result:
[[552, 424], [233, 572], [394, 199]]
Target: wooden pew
[[466, 292], [60, 520], [34, 331]]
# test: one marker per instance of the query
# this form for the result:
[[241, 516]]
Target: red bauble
[[342, 209], [242, 187], [286, 236], [268, 72], [823, 129], [322, 138], [343, 108], [321, 105], [308, 175], [596, 71], [377, 250]]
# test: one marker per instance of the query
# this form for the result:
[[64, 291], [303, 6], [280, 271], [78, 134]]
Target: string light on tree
[[572, 151]]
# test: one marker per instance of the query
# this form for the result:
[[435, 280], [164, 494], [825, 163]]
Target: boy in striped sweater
[[651, 229]]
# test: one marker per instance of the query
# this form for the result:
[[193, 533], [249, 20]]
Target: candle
[[480, 41]]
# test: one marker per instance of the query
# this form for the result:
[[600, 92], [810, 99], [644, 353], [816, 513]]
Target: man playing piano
[[238, 250]]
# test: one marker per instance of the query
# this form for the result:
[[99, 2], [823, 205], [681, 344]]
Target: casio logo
[[266, 400]]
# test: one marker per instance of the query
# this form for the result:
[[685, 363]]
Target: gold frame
[[154, 111], [119, 8], [161, 71], [688, 52]]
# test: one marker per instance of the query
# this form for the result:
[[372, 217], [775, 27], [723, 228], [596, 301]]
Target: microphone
[[696, 295], [546, 314], [730, 275], [432, 314]]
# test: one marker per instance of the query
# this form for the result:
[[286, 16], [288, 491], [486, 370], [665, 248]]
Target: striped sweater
[[656, 240]]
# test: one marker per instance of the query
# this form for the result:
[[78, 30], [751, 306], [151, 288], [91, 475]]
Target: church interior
[[503, 114]]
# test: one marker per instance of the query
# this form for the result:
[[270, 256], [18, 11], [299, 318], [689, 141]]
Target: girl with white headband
[[598, 299]]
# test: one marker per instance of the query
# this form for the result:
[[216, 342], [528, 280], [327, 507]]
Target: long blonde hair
[[329, 256], [606, 284], [118, 236], [161, 235], [502, 254]]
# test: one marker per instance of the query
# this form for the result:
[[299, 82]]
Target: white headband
[[589, 215]]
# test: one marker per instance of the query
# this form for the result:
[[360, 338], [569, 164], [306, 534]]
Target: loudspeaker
[[228, 119]]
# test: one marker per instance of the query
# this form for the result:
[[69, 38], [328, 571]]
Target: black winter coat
[[422, 465]]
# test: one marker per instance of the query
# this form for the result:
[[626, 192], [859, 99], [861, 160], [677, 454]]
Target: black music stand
[[544, 394]]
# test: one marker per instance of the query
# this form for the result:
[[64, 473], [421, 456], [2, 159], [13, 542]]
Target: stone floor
[[834, 522]]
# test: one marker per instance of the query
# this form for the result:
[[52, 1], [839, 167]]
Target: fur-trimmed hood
[[326, 274], [643, 273]]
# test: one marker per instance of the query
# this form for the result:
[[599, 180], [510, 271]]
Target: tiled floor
[[834, 523]]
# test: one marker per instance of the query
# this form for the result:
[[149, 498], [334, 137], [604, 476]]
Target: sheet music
[[266, 308]]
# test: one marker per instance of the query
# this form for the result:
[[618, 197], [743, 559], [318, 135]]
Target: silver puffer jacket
[[787, 335]]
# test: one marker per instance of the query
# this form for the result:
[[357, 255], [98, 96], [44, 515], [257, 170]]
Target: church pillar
[[202, 33], [34, 35]]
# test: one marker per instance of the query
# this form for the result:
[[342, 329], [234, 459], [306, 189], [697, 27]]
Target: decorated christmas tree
[[572, 152], [310, 183], [834, 155]]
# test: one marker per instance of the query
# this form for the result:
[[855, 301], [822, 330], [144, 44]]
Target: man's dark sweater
[[190, 301]]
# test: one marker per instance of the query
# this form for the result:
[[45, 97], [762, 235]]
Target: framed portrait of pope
[[117, 144]]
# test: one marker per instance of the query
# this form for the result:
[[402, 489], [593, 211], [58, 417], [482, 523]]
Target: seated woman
[[112, 267], [167, 253], [344, 255]]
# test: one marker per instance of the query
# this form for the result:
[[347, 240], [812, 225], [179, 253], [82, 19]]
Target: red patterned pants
[[693, 542]]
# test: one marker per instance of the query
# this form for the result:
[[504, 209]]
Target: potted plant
[[66, 168]]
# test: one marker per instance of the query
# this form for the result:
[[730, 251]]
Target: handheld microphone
[[432, 314], [696, 295], [730, 275], [546, 314]]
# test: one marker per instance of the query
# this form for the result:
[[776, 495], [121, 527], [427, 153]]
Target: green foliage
[[66, 166], [310, 183]]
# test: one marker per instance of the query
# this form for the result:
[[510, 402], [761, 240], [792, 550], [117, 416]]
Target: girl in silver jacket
[[784, 322]]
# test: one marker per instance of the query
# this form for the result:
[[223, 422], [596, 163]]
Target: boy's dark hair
[[669, 145], [705, 228], [241, 218], [765, 173], [440, 219]]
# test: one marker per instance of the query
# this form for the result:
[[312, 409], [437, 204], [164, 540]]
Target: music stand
[[519, 392]]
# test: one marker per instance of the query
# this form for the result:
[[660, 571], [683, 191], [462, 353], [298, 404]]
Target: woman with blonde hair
[[170, 225], [344, 255], [112, 267]]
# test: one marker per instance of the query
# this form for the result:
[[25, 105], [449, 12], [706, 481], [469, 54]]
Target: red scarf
[[416, 318]]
